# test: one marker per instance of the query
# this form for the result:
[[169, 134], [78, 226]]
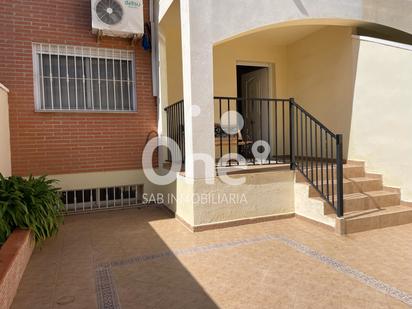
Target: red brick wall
[[56, 143]]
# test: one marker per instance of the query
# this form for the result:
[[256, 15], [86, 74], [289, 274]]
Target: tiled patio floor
[[145, 259]]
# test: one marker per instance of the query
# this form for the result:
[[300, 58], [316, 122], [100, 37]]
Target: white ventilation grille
[[88, 200]]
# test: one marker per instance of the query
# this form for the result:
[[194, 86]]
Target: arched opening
[[313, 61]]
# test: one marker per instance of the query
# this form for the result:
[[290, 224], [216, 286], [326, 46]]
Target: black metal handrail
[[294, 137], [317, 153], [264, 122], [175, 116]]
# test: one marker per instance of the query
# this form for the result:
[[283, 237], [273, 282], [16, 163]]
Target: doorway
[[253, 82]]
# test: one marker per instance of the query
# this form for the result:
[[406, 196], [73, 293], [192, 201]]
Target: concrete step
[[383, 198], [350, 185], [367, 200], [376, 218], [351, 201], [349, 171], [347, 188], [366, 183]]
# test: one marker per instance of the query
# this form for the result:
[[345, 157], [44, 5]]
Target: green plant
[[32, 203]]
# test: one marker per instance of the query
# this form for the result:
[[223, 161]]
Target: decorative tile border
[[188, 251], [108, 298], [350, 271]]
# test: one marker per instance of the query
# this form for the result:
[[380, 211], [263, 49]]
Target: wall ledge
[[4, 88], [14, 257], [383, 42]]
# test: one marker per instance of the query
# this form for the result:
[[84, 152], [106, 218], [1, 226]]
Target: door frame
[[271, 82], [267, 65]]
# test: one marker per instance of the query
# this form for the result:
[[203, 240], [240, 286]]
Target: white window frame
[[84, 52]]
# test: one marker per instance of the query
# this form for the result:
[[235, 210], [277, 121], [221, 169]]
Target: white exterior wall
[[263, 194], [382, 113], [208, 22], [197, 56]]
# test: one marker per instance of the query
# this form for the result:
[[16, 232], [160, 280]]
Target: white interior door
[[256, 116]]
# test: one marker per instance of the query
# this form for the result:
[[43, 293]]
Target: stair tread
[[363, 178], [355, 163], [334, 164], [330, 181], [367, 194], [347, 196], [380, 193], [374, 212], [349, 180]]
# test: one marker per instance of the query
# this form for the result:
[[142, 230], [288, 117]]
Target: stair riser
[[371, 223], [349, 205], [365, 203], [347, 188], [369, 185], [383, 201], [350, 187], [353, 171]]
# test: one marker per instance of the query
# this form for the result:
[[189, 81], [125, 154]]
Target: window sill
[[50, 111]]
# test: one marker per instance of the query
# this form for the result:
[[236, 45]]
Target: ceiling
[[284, 35]]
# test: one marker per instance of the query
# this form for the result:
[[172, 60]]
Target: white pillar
[[197, 57]]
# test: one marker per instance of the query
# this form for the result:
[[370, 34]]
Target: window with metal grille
[[102, 198], [78, 78]]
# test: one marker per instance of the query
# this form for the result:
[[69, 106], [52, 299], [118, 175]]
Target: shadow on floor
[[111, 260]]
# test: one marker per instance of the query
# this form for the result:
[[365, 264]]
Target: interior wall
[[382, 111], [5, 157], [226, 56], [316, 69], [169, 29], [321, 77]]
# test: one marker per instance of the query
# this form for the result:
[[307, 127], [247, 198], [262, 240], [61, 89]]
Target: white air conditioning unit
[[122, 18]]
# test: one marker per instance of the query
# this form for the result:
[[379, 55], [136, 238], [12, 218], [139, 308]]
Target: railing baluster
[[261, 128], [333, 183], [179, 128], [327, 165], [182, 112], [220, 131], [301, 139], [339, 176], [297, 134], [269, 141], [176, 127], [174, 130], [306, 143], [321, 158], [316, 153], [283, 131], [228, 130], [237, 131], [168, 132], [276, 132], [311, 150], [292, 133]]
